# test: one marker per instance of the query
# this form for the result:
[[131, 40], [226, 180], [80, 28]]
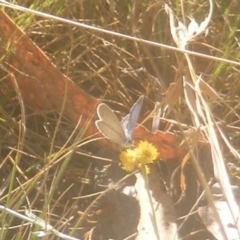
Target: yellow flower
[[143, 154], [148, 153], [129, 159]]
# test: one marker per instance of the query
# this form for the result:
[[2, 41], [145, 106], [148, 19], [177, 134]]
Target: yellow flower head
[[129, 159], [143, 154]]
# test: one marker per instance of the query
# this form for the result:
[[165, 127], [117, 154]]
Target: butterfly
[[116, 131]]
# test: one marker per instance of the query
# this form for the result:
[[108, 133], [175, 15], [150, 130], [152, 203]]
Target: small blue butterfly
[[116, 131]]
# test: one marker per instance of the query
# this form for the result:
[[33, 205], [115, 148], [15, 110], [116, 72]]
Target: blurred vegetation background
[[118, 70]]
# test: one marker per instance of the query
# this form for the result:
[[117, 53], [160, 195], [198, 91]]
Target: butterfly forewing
[[130, 121]]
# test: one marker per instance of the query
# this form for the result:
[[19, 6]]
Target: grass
[[48, 167]]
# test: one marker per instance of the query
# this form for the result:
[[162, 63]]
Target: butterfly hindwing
[[110, 132]]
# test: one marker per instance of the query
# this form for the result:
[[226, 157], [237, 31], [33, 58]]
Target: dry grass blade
[[218, 159], [163, 108], [157, 215]]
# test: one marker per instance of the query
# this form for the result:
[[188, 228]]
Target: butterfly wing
[[109, 125], [130, 121]]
